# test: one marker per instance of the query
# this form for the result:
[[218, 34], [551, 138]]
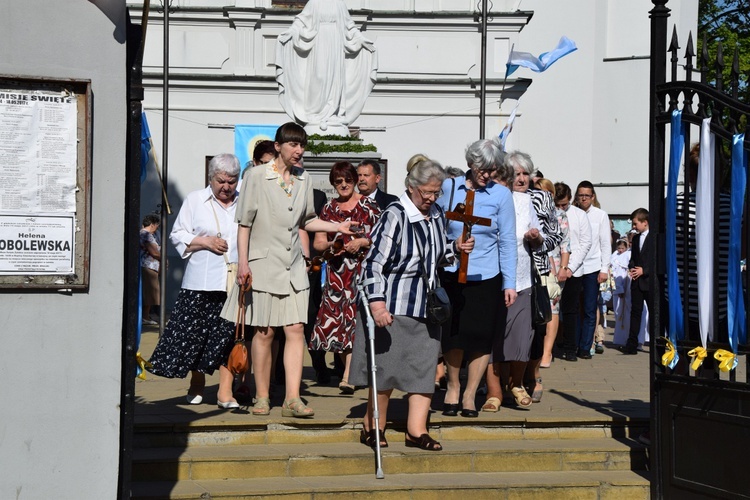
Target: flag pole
[[505, 78], [158, 173], [483, 77]]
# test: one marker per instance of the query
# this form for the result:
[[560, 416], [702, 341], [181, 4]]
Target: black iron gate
[[700, 430]]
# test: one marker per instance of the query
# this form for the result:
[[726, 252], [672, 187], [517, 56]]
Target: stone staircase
[[304, 459]]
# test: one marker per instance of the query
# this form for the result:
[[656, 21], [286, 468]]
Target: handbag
[[553, 286], [231, 274], [238, 362], [231, 266], [438, 303], [438, 306], [541, 308]]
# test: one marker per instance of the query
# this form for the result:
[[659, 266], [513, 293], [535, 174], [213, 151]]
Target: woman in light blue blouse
[[491, 276]]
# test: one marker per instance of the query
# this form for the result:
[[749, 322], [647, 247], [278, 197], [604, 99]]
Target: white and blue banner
[[735, 298], [704, 231], [676, 318], [517, 59], [245, 139]]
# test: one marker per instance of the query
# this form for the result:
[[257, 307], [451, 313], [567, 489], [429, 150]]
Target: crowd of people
[[486, 236]]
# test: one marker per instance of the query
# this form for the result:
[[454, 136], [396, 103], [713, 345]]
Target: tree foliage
[[726, 22]]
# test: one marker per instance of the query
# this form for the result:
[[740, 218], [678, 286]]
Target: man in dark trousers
[[369, 176], [640, 268]]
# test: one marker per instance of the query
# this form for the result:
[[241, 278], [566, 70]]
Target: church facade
[[584, 118]]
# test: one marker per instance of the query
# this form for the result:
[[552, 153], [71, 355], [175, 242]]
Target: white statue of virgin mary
[[325, 68]]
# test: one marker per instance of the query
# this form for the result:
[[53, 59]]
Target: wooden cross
[[464, 212]]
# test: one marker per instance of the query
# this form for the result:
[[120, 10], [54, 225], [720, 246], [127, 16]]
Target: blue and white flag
[[505, 132], [145, 146], [541, 63], [704, 232]]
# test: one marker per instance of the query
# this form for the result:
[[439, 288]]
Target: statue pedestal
[[329, 130]]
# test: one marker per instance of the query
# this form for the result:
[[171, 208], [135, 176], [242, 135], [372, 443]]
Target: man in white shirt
[[595, 265], [579, 232]]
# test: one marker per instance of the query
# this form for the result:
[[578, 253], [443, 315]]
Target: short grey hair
[[505, 174], [485, 154], [522, 160], [424, 171], [226, 163]]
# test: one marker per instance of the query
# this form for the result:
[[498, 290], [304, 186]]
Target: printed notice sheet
[[38, 151], [41, 244]]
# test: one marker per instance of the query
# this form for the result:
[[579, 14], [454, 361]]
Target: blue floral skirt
[[195, 337]]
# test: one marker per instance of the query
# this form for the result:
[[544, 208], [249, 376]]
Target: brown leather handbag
[[238, 362]]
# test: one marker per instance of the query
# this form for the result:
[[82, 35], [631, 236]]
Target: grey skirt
[[406, 355], [515, 343]]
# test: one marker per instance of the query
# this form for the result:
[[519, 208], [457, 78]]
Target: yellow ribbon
[[142, 364], [669, 354], [698, 354], [727, 360]]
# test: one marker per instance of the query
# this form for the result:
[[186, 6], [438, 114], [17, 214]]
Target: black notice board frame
[[80, 279]]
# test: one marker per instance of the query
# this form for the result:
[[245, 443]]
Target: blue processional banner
[[247, 136]]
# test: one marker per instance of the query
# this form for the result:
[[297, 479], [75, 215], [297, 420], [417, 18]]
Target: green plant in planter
[[333, 137], [317, 144]]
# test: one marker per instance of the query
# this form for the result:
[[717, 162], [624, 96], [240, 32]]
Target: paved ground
[[609, 386]]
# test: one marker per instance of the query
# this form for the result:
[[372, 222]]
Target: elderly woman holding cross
[[475, 285]]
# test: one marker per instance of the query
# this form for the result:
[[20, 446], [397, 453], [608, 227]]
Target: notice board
[[45, 183]]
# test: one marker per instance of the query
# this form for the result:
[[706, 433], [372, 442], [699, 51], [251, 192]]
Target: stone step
[[249, 431], [561, 485], [340, 459]]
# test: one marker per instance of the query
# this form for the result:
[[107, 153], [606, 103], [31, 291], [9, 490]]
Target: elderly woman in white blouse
[[196, 339], [510, 352]]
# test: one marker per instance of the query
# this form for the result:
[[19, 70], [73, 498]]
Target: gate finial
[[689, 54], [673, 47]]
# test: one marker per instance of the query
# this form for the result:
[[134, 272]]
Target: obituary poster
[[37, 244], [38, 151]]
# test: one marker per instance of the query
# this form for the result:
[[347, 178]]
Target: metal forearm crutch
[[373, 371]]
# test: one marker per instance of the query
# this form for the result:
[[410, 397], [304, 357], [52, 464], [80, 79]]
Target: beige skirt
[[264, 309]]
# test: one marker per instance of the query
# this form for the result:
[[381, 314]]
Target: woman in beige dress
[[275, 201]]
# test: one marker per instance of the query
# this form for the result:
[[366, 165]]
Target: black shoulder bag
[[438, 303]]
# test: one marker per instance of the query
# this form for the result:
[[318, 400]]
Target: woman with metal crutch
[[408, 245]]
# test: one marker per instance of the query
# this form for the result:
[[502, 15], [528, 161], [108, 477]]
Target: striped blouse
[[405, 244], [544, 205]]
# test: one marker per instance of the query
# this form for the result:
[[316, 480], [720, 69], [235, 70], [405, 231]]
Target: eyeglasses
[[430, 194], [341, 180], [584, 196], [483, 171]]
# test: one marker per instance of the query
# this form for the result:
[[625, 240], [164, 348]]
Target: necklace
[[287, 187]]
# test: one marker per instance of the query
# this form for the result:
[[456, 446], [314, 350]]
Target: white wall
[[587, 118], [60, 372]]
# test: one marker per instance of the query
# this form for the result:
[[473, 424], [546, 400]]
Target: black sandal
[[368, 438], [423, 442]]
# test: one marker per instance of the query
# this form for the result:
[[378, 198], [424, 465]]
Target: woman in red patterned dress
[[334, 327]]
